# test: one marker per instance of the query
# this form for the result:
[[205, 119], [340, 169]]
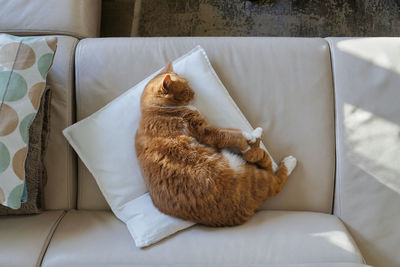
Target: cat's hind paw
[[290, 163]]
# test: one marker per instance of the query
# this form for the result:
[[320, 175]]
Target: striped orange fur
[[187, 171]]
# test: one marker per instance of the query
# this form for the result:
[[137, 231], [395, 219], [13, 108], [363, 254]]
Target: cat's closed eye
[[186, 94], [183, 95]]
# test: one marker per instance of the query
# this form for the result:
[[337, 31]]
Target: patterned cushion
[[24, 63], [35, 172]]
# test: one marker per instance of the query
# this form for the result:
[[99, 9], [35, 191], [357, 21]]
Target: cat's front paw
[[290, 163], [254, 135]]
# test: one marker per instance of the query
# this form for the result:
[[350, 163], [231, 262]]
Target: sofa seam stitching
[[338, 176], [77, 95], [333, 191], [69, 120], [49, 237]]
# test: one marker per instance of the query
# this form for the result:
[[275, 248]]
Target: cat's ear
[[166, 84], [168, 68]]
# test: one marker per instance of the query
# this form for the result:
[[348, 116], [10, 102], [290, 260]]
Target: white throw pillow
[[105, 143]]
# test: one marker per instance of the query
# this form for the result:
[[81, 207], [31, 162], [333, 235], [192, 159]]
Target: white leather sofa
[[333, 103]]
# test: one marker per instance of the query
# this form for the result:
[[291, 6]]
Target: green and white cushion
[[24, 64]]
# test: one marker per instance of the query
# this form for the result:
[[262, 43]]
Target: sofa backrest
[[42, 17], [281, 84], [367, 196]]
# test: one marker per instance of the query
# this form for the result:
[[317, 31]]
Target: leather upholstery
[[24, 239], [367, 198], [94, 238], [283, 85], [60, 161], [42, 17]]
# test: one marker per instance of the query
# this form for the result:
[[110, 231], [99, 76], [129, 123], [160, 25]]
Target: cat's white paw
[[257, 132], [290, 163], [252, 137], [249, 136]]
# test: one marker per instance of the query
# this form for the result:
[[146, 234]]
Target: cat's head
[[167, 89]]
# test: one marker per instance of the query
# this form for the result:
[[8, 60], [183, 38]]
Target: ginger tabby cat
[[187, 172]]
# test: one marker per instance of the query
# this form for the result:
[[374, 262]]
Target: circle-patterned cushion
[[24, 64]]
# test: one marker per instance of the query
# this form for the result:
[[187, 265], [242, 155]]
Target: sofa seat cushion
[[95, 238], [24, 239]]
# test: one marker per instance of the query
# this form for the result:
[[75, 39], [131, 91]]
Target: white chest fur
[[235, 161]]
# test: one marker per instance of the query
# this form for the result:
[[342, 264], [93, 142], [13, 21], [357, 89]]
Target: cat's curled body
[[186, 172]]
